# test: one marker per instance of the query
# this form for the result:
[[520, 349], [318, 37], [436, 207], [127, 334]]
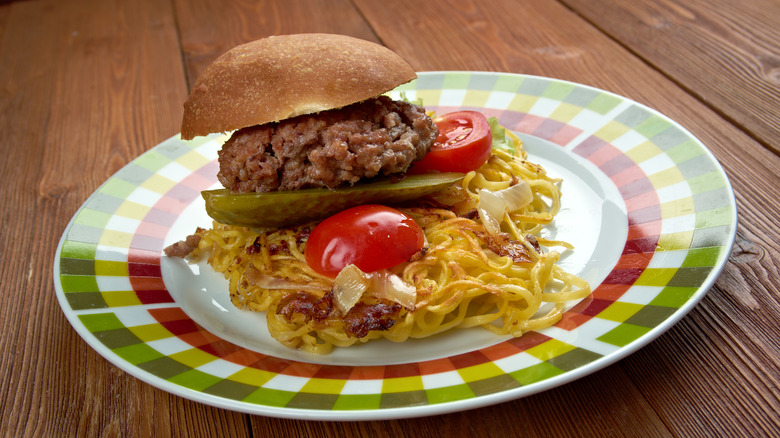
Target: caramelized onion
[[491, 211], [494, 205], [255, 277], [351, 283], [392, 288]]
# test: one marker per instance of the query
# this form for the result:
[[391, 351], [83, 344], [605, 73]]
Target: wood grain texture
[[211, 27], [103, 85], [726, 53], [88, 85]]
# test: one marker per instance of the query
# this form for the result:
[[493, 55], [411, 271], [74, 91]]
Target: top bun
[[280, 77]]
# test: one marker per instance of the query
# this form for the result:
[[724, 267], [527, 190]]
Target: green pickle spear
[[285, 208]]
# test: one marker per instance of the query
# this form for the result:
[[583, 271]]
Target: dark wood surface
[[87, 86]]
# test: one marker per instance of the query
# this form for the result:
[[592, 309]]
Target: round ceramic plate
[[648, 208]]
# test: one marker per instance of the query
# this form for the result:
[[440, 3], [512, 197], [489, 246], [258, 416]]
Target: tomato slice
[[372, 237], [463, 144]]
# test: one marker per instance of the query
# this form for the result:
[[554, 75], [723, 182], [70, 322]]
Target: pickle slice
[[276, 209]]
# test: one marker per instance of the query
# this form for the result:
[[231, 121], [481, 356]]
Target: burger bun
[[280, 77]]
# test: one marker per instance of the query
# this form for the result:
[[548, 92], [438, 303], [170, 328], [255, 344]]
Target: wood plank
[[61, 137], [726, 53], [210, 28], [55, 385]]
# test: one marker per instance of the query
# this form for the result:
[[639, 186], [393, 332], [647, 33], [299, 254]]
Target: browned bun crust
[[280, 77]]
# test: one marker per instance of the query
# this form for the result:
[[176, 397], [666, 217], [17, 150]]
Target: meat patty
[[379, 136], [183, 248]]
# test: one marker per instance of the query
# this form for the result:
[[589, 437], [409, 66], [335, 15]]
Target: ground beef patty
[[379, 136]]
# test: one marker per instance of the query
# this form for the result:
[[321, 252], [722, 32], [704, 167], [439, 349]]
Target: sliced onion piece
[[491, 209], [516, 196], [255, 277], [392, 288], [350, 284], [494, 205]]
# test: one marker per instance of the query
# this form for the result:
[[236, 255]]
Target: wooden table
[[87, 86]]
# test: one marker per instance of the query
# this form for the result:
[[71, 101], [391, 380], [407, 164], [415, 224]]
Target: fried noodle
[[466, 277]]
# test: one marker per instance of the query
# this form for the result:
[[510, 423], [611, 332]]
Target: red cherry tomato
[[463, 144], [372, 237]]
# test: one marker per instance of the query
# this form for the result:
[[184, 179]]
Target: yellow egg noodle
[[464, 279]]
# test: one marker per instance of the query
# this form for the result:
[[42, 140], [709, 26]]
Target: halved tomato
[[463, 144], [371, 237]]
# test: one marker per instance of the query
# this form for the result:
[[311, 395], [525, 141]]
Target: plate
[[649, 209]]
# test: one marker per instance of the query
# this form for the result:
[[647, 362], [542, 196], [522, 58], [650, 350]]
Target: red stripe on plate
[[469, 359], [529, 340], [500, 351], [168, 314], [244, 357], [154, 296], [147, 284], [623, 276], [136, 255], [572, 320], [596, 306], [644, 230], [436, 366], [302, 369], [338, 372], [566, 134], [272, 364], [369, 372], [610, 292], [181, 327], [589, 146], [647, 214], [402, 370], [635, 186], [144, 270], [618, 164]]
